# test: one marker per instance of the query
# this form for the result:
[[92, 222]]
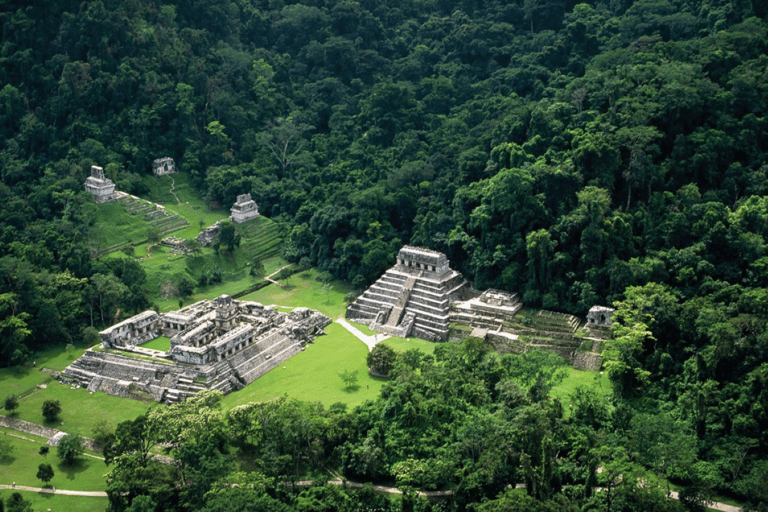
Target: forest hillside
[[609, 153]]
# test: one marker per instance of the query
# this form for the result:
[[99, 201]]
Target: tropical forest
[[612, 153]]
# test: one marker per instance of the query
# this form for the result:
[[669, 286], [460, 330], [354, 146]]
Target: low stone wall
[[29, 428], [41, 431]]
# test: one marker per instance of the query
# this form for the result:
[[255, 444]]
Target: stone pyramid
[[413, 298]]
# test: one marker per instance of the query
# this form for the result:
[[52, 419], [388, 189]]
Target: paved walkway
[[371, 341], [269, 277], [49, 490]]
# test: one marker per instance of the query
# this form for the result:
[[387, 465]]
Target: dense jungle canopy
[[609, 152]]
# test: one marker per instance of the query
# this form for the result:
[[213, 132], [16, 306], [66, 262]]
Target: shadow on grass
[[351, 389], [71, 470]]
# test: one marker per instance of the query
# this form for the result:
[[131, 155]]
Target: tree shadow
[[352, 388], [71, 470]]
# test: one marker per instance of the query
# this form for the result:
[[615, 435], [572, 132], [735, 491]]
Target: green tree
[[51, 410], [17, 503], [44, 451], [228, 236], [350, 379], [69, 447], [45, 473], [381, 359]]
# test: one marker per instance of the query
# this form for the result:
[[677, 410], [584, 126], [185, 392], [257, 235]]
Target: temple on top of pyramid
[[413, 298]]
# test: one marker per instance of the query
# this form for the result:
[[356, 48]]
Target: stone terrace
[[412, 298]]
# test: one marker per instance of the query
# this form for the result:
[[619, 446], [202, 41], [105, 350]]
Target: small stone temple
[[101, 187], [244, 209], [163, 166], [412, 298], [221, 344], [600, 316]]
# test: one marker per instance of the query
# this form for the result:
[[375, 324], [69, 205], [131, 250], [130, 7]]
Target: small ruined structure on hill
[[244, 209], [163, 166], [600, 316], [218, 344], [101, 187], [412, 298], [209, 234]]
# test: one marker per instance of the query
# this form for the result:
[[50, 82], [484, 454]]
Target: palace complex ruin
[[244, 209], [163, 166], [101, 187], [220, 344]]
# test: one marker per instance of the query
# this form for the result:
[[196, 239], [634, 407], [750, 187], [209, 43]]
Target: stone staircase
[[417, 305]]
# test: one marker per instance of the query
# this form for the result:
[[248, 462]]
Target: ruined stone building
[[412, 298], [163, 166], [101, 187], [244, 209], [600, 316], [218, 344]]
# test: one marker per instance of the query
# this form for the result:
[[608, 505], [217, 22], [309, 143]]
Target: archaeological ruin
[[163, 166], [413, 298], [220, 344], [244, 209], [421, 296], [101, 187]]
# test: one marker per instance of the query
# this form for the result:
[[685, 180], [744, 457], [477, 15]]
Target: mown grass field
[[85, 474], [313, 375], [575, 378], [43, 501]]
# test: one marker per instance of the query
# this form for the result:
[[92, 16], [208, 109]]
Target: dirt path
[[371, 341], [53, 490], [173, 191], [269, 277]]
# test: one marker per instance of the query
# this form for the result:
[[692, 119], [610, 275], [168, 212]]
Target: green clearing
[[576, 378], [80, 410], [313, 375], [20, 379], [43, 501], [303, 290], [161, 343], [86, 474]]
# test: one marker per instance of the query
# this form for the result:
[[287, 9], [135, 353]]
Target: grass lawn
[[161, 343], [44, 501], [85, 474], [18, 379], [304, 290], [576, 378], [80, 410], [313, 375]]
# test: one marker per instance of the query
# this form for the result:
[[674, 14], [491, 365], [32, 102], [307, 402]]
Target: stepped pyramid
[[413, 298]]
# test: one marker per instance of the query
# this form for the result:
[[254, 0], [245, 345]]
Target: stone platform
[[413, 298]]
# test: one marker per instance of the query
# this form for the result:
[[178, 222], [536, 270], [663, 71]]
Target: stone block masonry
[[412, 298], [220, 344]]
